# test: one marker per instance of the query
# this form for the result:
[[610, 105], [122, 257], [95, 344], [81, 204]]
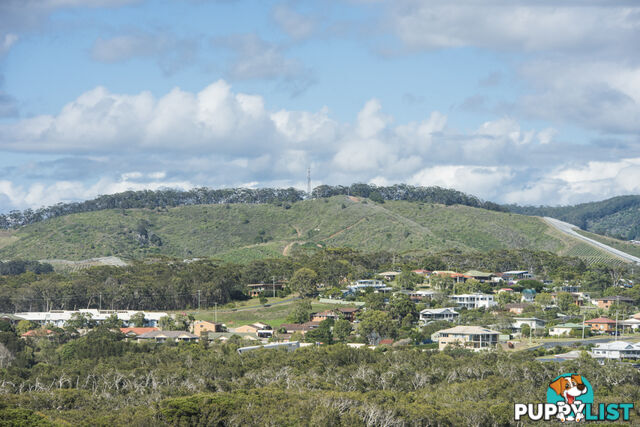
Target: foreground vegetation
[[100, 379]]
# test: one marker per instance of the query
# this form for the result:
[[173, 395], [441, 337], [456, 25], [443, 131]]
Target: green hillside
[[240, 232], [617, 217]]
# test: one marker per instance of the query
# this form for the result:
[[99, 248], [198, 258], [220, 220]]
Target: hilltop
[[243, 231]]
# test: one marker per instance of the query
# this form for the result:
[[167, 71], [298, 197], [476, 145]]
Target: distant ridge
[[617, 217], [206, 196]]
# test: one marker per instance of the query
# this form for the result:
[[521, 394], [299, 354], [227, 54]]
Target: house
[[257, 289], [168, 336], [528, 295], [39, 333], [324, 315], [511, 276], [423, 273], [607, 302], [200, 327], [303, 328], [472, 337], [601, 324], [479, 275], [349, 313], [135, 332], [457, 277], [419, 295], [389, 275], [262, 330], [533, 322], [516, 308], [433, 314], [616, 350], [578, 300], [60, 317], [361, 285], [386, 341], [564, 329], [632, 324], [471, 301]]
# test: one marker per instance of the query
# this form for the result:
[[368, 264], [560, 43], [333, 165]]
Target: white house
[[432, 314], [471, 337], [471, 301], [617, 350], [533, 322], [60, 317], [564, 329]]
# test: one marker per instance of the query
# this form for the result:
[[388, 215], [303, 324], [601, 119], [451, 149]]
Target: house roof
[[326, 313], [476, 273], [472, 330], [439, 310], [167, 334], [300, 326], [568, 325], [386, 341], [516, 305], [37, 333], [617, 345], [349, 309], [389, 273], [615, 298], [137, 331], [601, 320]]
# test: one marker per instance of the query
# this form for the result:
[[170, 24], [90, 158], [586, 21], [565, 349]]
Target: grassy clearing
[[274, 315]]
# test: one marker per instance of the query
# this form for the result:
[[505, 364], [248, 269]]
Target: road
[[570, 343], [567, 228]]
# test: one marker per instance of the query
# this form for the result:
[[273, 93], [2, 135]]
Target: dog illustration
[[569, 388]]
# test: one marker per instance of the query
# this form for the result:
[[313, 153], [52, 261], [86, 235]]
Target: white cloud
[[220, 138], [481, 181], [293, 23], [527, 25]]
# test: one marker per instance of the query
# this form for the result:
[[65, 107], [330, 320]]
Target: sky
[[515, 101]]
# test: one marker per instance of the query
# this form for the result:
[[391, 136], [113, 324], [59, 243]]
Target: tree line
[[204, 196], [172, 284]]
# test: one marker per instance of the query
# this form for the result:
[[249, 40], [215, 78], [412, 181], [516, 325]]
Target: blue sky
[[515, 101]]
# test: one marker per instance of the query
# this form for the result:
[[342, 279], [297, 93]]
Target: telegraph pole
[[215, 312], [583, 318], [100, 306], [309, 181], [273, 281], [199, 291]]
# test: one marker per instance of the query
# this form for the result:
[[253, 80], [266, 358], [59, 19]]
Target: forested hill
[[206, 196], [245, 231], [617, 217]]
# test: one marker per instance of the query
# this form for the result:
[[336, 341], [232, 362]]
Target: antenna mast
[[309, 181]]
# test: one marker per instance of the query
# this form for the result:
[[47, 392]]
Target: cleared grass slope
[[241, 232]]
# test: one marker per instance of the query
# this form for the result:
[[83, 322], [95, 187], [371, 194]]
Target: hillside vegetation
[[617, 217], [241, 232]]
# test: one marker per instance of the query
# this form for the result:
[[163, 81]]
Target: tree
[[401, 306], [167, 323], [25, 326], [304, 281], [80, 321], [112, 322], [409, 279], [137, 320], [564, 300], [376, 323], [342, 329], [525, 330], [321, 334], [301, 312], [544, 299], [374, 301]]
